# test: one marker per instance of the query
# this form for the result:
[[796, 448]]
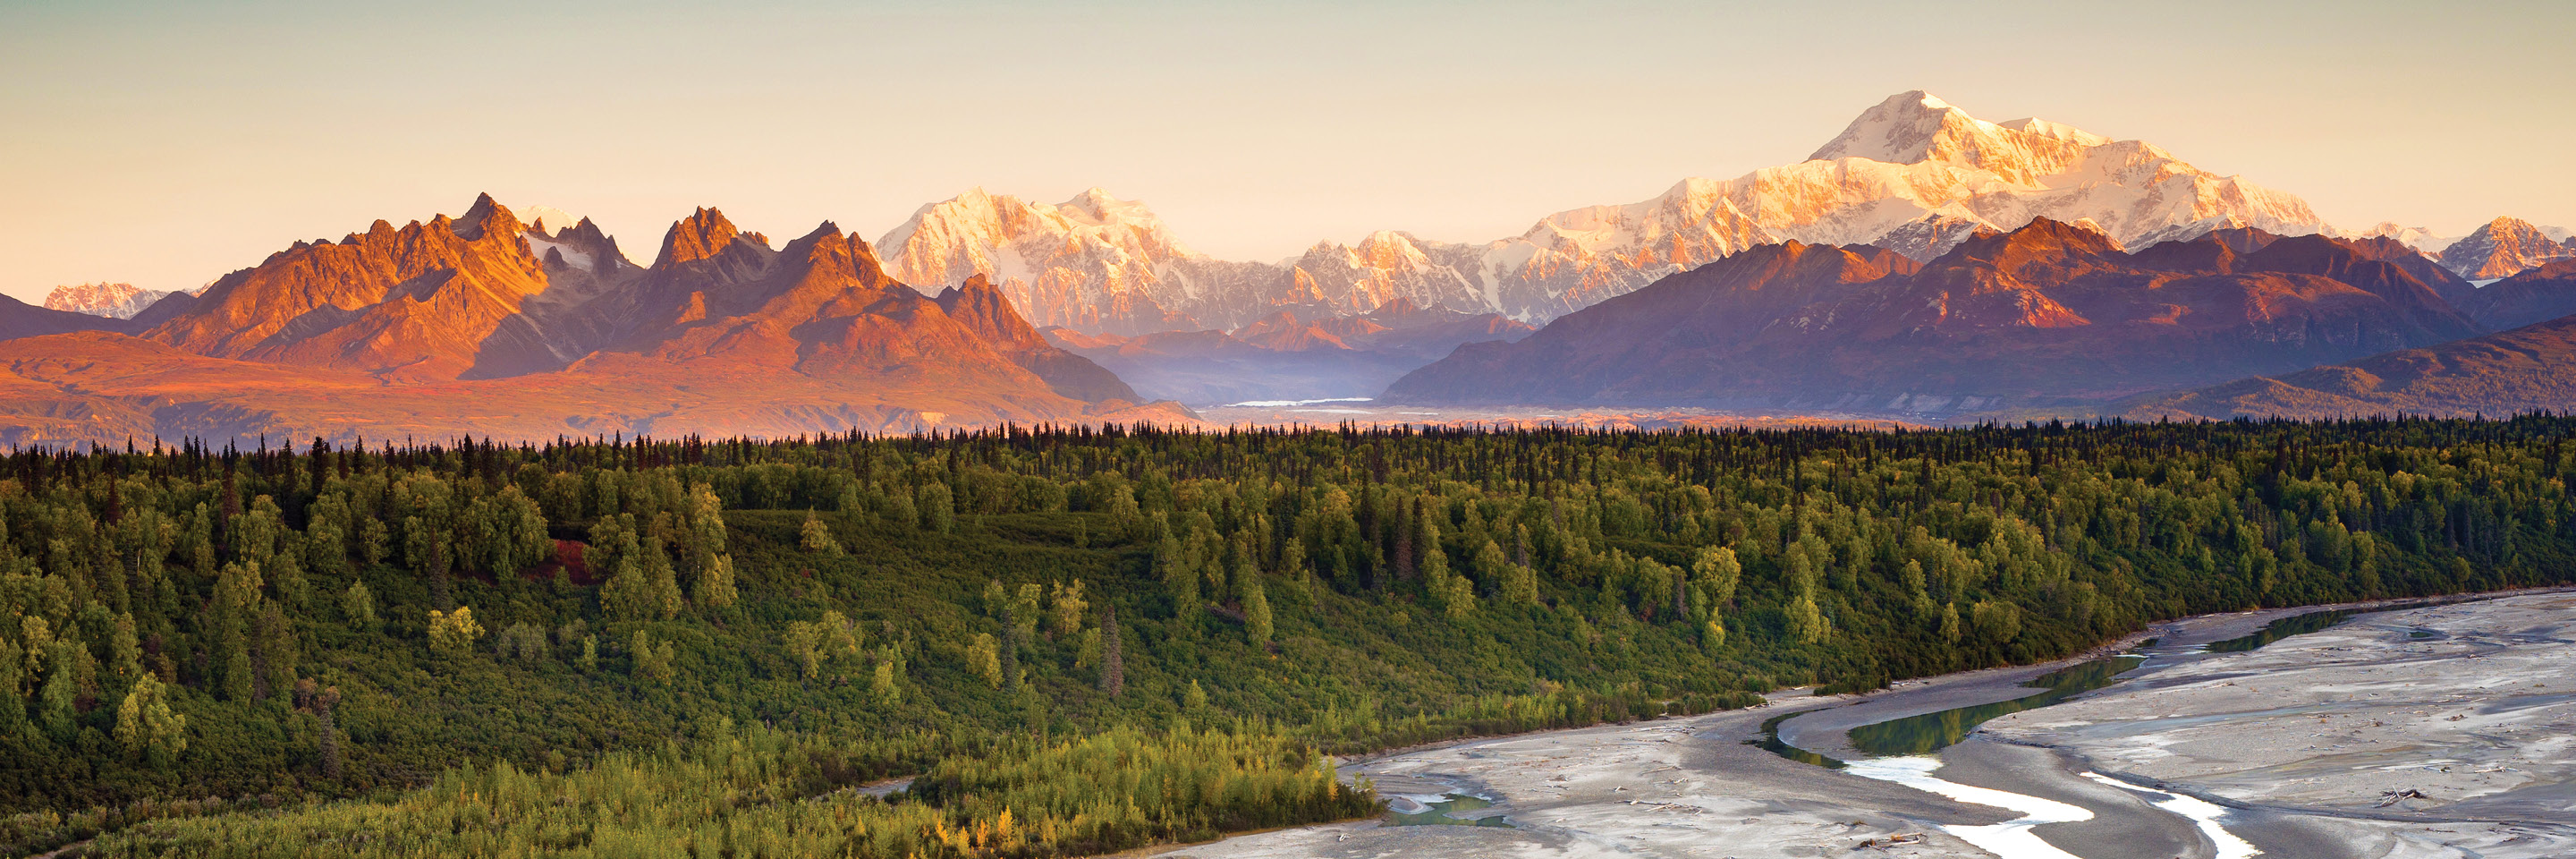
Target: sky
[[167, 143]]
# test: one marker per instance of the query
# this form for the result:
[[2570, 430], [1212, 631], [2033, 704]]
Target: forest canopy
[[236, 648]]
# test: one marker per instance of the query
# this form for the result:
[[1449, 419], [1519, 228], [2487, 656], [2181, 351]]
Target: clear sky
[[165, 143]]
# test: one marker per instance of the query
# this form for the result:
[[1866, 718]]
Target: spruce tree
[[1113, 663]]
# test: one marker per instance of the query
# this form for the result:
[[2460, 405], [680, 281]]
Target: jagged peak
[[975, 283], [486, 217], [702, 234]]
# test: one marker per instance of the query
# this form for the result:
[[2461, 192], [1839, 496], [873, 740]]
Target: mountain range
[[1912, 173], [483, 325], [2048, 314], [1290, 354], [1921, 262]]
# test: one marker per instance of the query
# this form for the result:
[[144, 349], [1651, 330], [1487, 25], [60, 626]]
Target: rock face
[[2048, 313], [2503, 247], [112, 300], [1912, 174], [482, 324]]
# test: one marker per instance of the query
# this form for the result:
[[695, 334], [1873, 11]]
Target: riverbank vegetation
[[255, 647]]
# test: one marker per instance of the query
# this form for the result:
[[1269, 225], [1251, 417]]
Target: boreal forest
[[1082, 640]]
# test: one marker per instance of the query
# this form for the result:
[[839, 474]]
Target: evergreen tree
[[61, 687], [818, 537], [715, 585], [358, 606], [1180, 576], [13, 700], [1256, 609], [1113, 663]]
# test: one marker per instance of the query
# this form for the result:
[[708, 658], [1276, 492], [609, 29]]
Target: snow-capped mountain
[[112, 300], [2419, 238], [2504, 247], [1094, 263], [1913, 174]]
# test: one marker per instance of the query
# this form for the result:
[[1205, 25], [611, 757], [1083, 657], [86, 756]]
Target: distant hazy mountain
[[112, 300], [1294, 354], [1913, 174]]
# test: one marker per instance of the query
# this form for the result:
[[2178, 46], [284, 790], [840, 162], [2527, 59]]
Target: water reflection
[[1769, 741], [1444, 813], [1915, 735], [2297, 624]]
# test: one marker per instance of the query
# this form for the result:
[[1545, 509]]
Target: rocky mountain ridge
[[2503, 248], [484, 324]]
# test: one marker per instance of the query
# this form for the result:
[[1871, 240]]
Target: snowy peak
[[1916, 128], [2419, 238], [1094, 262], [111, 300], [2502, 248], [1904, 129], [1913, 174]]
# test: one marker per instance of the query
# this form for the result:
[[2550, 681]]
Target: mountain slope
[[2050, 312], [2526, 369], [2538, 294], [1912, 173], [491, 328], [2502, 248], [985, 312], [1093, 262], [20, 319]]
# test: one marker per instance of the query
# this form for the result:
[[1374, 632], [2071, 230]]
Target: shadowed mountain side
[[2049, 313], [20, 319], [984, 311], [2542, 293], [106, 388], [2522, 370]]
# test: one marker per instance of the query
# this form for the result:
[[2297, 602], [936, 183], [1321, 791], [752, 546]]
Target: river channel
[[2434, 731]]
